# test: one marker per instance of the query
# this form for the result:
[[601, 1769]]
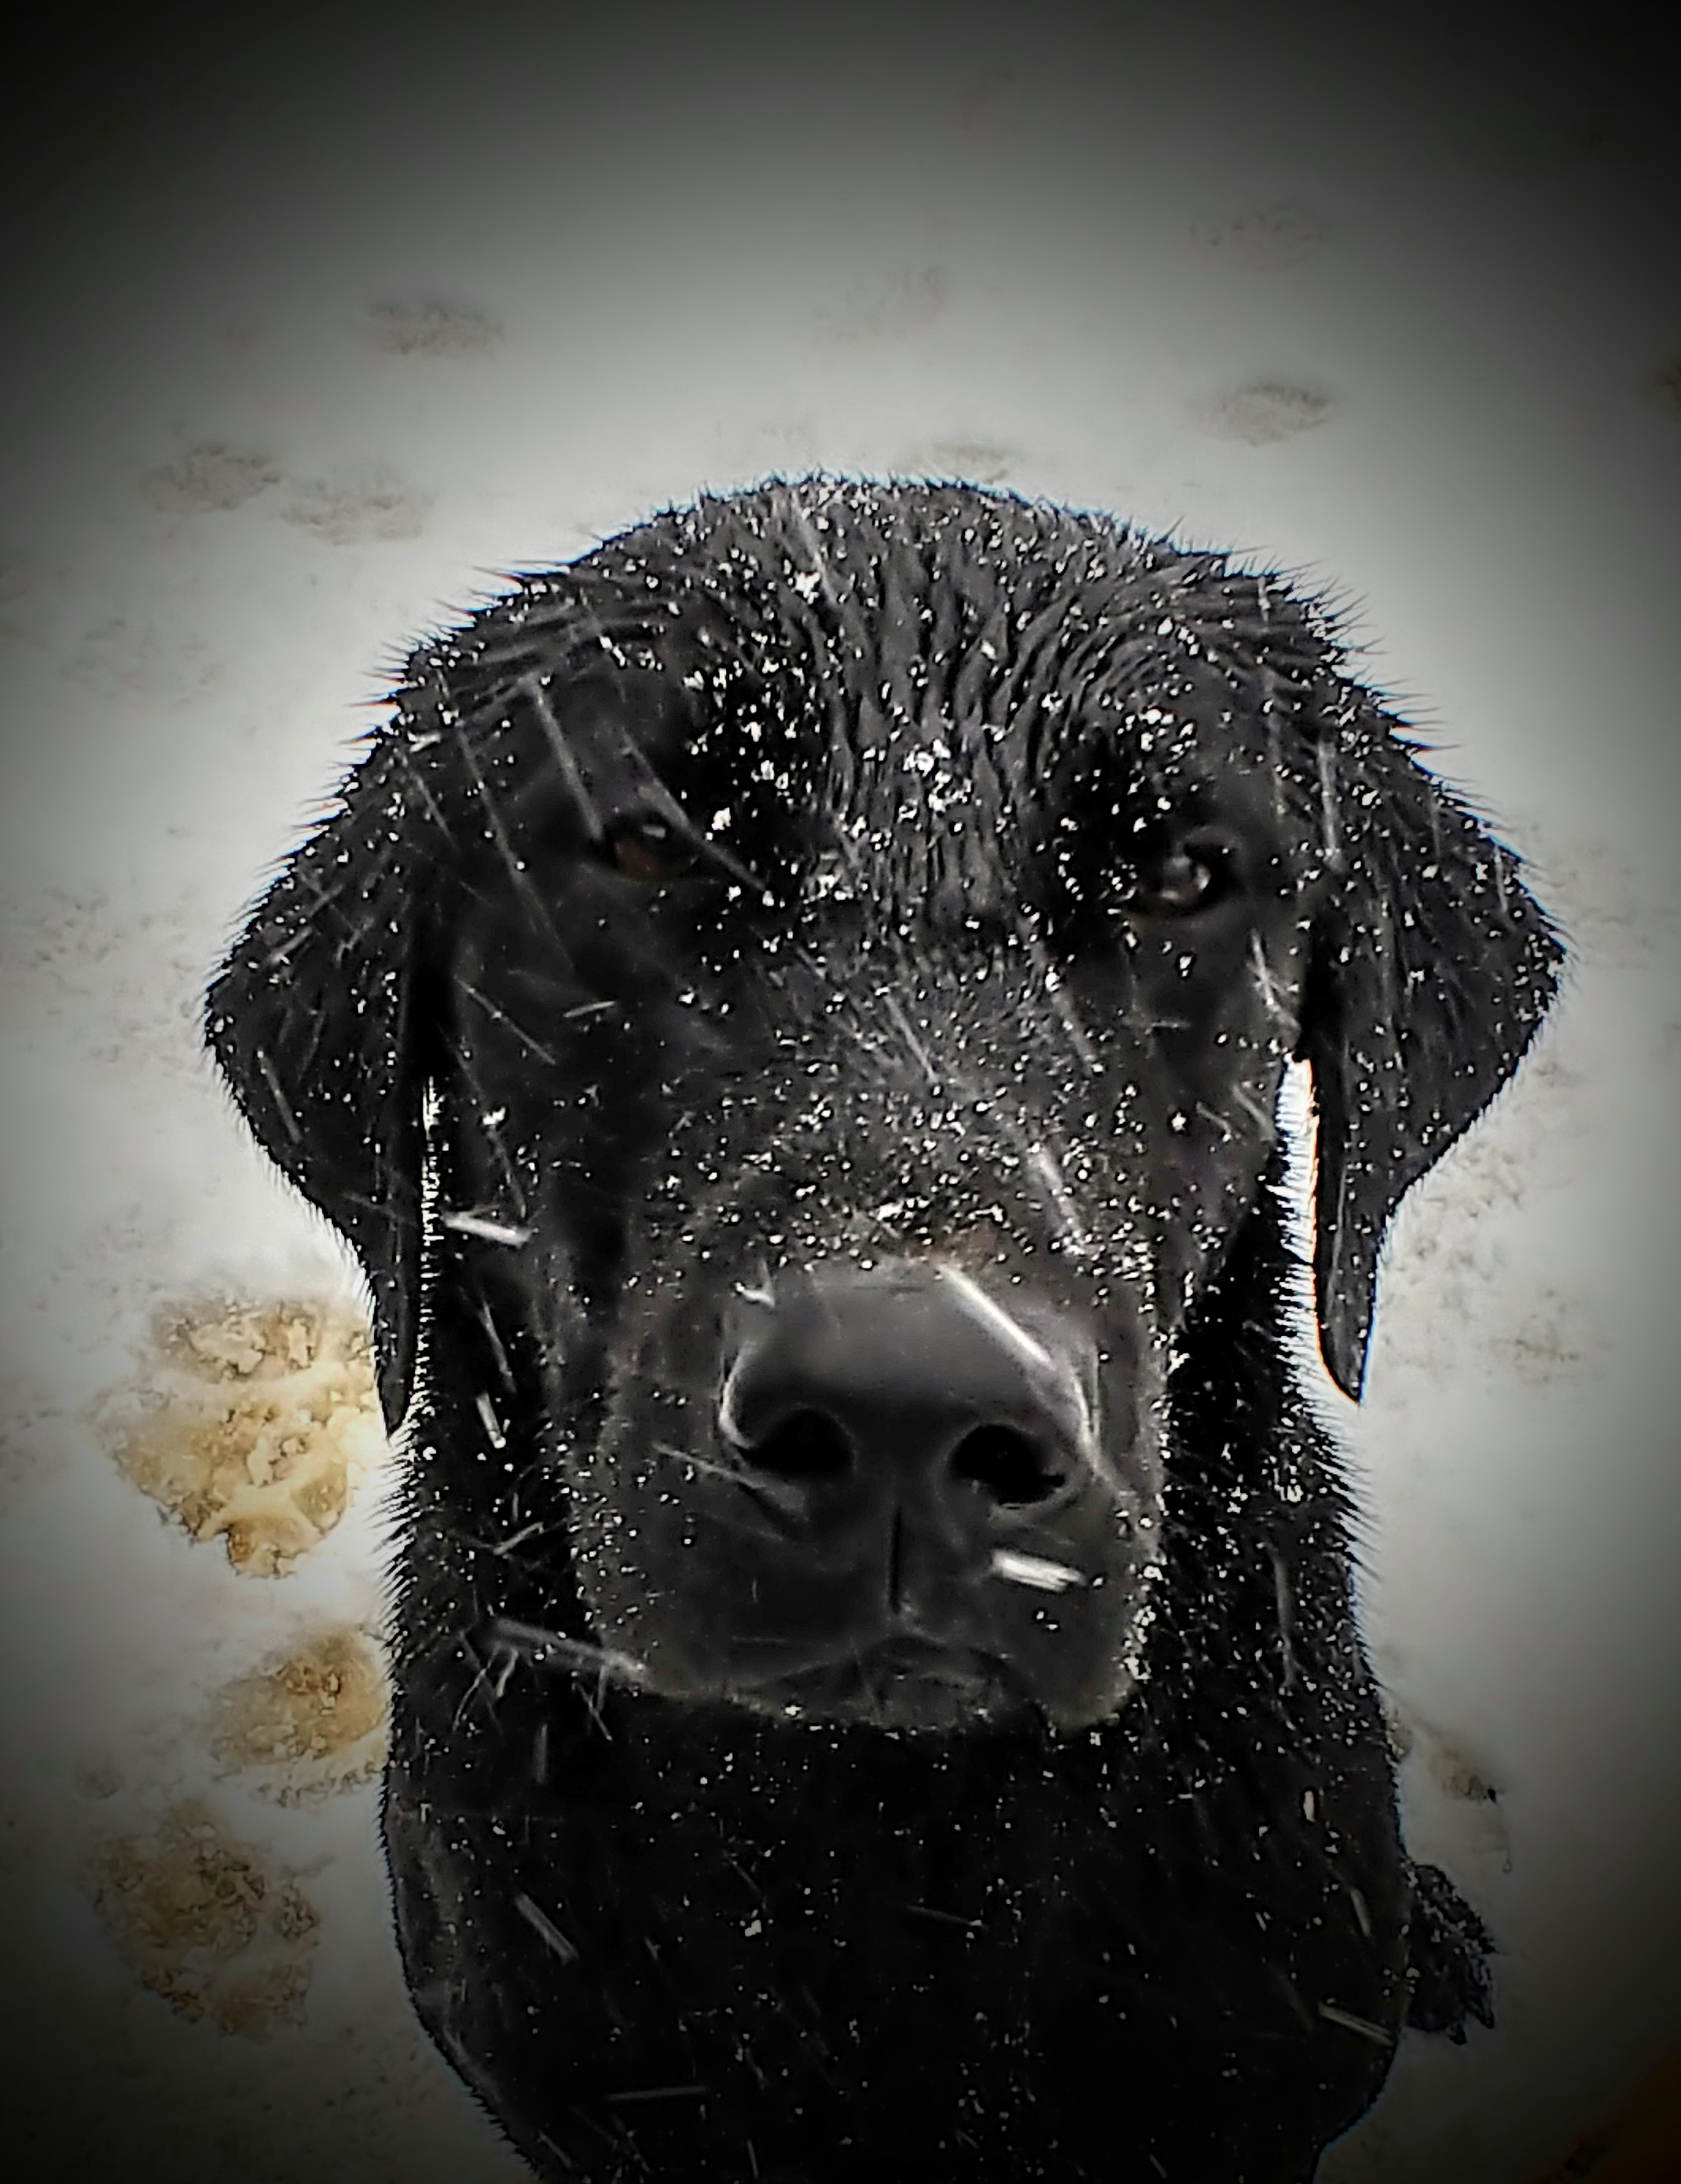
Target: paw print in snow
[[207, 1922], [309, 1725], [258, 1426]]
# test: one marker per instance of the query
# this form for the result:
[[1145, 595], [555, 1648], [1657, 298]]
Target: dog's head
[[814, 980]]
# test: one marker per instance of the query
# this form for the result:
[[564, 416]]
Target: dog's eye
[[650, 849], [1183, 877]]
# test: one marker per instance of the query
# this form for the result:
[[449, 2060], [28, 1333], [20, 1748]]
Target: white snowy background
[[317, 324]]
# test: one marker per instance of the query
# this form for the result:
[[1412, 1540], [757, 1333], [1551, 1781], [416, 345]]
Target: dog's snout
[[908, 1380]]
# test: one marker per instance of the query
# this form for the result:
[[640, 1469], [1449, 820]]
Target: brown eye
[[650, 849], [1187, 875]]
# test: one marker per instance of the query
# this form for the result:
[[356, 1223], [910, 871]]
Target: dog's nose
[[913, 1381]]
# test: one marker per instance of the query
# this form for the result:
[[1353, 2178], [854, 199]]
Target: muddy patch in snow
[[1269, 237], [1267, 411], [310, 1725], [209, 477], [363, 505], [210, 1923], [432, 325], [254, 1425]]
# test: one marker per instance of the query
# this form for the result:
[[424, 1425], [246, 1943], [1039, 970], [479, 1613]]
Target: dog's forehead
[[903, 715], [927, 662]]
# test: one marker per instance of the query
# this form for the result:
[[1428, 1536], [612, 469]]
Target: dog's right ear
[[316, 1020]]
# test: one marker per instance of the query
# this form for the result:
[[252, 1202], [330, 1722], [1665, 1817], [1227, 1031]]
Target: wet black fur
[[674, 1940]]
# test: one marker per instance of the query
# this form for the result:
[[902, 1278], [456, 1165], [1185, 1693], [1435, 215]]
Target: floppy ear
[[1431, 967], [314, 1020]]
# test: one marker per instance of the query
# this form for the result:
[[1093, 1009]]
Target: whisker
[[576, 1655]]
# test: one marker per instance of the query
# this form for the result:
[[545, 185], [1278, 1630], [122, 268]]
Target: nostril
[[1012, 1469], [805, 1445]]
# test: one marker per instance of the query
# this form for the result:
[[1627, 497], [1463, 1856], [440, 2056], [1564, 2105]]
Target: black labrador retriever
[[789, 1015]]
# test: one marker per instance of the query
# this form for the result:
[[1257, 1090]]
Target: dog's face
[[853, 975], [927, 1109]]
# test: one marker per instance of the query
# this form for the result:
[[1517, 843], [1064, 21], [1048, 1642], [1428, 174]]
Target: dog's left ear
[[1432, 966]]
